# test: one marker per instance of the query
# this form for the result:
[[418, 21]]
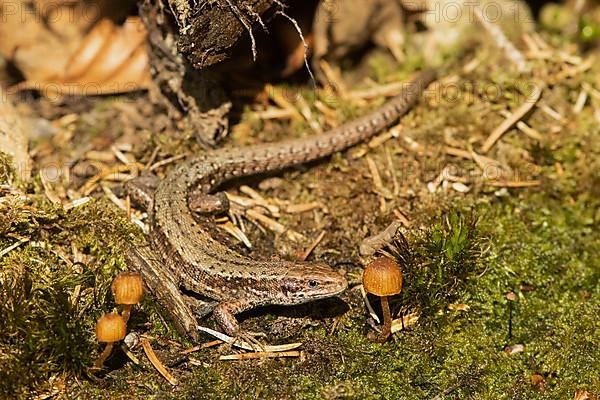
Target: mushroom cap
[[110, 328], [383, 277], [128, 288]]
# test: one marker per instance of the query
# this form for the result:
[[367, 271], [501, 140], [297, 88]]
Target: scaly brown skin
[[203, 265]]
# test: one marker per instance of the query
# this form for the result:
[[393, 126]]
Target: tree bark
[[210, 30], [188, 95]]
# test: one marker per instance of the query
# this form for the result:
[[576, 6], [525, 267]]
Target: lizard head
[[308, 282]]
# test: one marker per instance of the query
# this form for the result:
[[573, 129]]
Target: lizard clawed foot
[[225, 312], [208, 204], [250, 339]]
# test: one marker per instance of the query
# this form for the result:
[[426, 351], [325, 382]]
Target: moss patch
[[48, 303]]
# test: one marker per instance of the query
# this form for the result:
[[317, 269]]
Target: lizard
[[186, 251]]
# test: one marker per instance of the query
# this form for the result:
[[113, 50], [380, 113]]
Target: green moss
[[49, 305]]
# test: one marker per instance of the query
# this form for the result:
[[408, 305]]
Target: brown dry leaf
[[89, 48], [110, 59], [48, 32], [583, 395], [341, 27]]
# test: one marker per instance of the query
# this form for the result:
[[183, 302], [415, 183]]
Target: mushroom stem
[[387, 319], [103, 356], [126, 312], [386, 329]]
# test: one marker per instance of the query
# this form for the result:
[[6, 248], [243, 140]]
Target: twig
[[242, 344], [113, 198], [77, 203], [580, 103], [156, 362], [514, 117], [274, 225], [513, 184], [202, 346], [377, 182], [392, 172], [334, 79], [249, 202], [310, 249], [402, 217], [129, 354], [386, 90], [120, 155], [523, 127], [276, 95], [552, 113], [48, 190], [166, 161], [302, 207], [258, 199], [405, 321], [456, 152], [274, 113], [261, 354], [152, 158], [132, 168], [372, 312], [237, 233], [13, 246]]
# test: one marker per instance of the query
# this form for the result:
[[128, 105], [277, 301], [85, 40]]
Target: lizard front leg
[[225, 312]]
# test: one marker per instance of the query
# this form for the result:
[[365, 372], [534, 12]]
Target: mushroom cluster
[[128, 289], [383, 278]]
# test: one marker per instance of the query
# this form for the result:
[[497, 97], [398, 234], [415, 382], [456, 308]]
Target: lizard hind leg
[[141, 189], [208, 204]]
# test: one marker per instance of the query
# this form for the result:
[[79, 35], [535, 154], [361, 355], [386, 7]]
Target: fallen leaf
[[584, 395], [110, 59]]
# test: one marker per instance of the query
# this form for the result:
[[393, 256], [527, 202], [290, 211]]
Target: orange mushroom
[[383, 278], [128, 289], [110, 328]]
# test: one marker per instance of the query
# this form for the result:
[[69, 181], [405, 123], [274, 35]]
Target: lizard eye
[[313, 284]]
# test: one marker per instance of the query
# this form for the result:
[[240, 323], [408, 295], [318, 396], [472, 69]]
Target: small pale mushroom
[[110, 328], [128, 289], [383, 278]]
